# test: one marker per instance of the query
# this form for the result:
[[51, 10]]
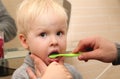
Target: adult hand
[[53, 71], [56, 71], [97, 48]]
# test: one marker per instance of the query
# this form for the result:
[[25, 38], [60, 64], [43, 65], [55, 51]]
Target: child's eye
[[59, 33], [43, 34]]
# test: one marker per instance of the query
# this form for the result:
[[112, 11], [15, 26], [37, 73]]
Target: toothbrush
[[65, 55]]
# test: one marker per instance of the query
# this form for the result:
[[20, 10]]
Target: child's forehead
[[49, 27], [50, 19]]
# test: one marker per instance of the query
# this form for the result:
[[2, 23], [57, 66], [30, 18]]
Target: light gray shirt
[[21, 73]]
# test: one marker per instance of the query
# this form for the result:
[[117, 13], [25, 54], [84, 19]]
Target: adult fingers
[[31, 74], [90, 55], [37, 72], [86, 44], [39, 64]]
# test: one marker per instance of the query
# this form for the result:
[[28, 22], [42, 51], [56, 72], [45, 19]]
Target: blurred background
[[87, 18]]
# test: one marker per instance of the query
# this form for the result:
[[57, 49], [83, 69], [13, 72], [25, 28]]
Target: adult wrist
[[117, 61]]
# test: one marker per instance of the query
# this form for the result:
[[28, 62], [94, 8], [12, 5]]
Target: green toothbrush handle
[[65, 55], [69, 55]]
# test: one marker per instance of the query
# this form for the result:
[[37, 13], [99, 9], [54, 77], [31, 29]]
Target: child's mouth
[[57, 59], [54, 52]]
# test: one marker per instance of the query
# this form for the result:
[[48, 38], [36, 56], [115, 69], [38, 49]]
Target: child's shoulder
[[20, 72]]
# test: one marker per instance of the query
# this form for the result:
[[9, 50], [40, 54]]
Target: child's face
[[47, 36]]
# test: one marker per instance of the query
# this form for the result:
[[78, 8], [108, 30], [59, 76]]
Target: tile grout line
[[103, 71]]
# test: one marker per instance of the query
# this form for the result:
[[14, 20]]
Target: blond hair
[[29, 10]]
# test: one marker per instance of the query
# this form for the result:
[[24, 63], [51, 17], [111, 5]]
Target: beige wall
[[94, 17]]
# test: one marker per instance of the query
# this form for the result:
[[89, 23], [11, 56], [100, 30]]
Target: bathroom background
[[87, 18]]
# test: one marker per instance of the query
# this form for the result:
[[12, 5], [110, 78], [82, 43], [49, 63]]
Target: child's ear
[[23, 41]]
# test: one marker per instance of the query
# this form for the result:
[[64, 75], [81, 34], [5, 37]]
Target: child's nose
[[54, 41]]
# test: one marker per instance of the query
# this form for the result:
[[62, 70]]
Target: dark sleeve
[[7, 24], [117, 61]]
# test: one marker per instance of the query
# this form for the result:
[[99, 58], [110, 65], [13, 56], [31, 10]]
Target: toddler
[[42, 27]]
